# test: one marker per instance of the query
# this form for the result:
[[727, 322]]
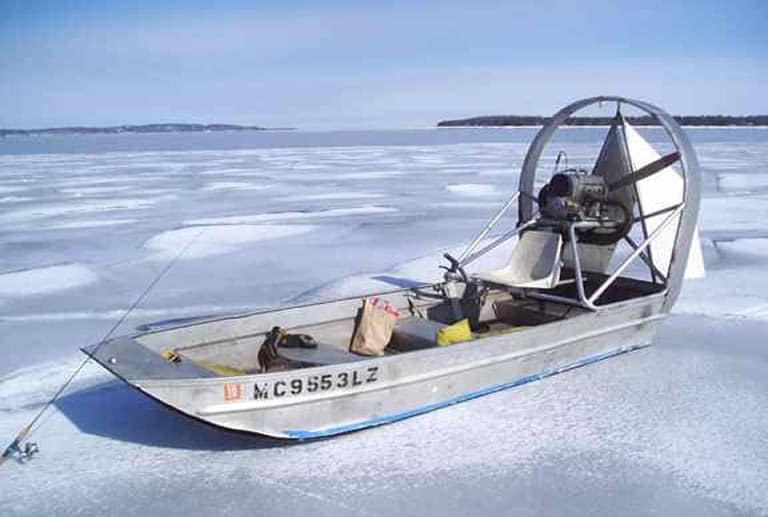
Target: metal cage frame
[[687, 209]]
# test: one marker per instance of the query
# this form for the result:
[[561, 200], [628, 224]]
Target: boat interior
[[230, 346]]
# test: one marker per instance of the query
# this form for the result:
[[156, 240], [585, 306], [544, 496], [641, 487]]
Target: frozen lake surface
[[273, 218]]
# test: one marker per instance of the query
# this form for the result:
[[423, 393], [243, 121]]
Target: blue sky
[[339, 64]]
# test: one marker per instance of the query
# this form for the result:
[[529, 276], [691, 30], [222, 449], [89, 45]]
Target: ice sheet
[[205, 241], [472, 189], [744, 182], [92, 223], [325, 196], [25, 215], [289, 216], [87, 191], [734, 213], [233, 185], [45, 279], [10, 189], [14, 199], [673, 430]]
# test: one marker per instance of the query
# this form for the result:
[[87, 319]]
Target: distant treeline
[[142, 128], [693, 120]]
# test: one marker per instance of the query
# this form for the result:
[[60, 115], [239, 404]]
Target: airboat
[[598, 262]]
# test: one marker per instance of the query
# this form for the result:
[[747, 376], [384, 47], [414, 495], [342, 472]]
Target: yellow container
[[455, 333]]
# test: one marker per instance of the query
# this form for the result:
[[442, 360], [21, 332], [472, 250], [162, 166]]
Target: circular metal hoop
[[688, 164]]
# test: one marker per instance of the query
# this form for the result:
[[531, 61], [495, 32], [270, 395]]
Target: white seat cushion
[[535, 262]]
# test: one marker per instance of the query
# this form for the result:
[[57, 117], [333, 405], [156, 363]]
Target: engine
[[579, 197]]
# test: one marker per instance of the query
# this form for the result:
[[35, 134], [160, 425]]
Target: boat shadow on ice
[[115, 411]]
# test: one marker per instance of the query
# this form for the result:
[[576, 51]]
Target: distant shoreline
[[136, 129], [535, 121]]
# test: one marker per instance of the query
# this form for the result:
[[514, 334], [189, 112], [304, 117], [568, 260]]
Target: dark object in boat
[[268, 355], [270, 358], [297, 341]]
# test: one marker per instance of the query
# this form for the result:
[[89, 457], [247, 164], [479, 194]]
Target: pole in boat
[[29, 449]]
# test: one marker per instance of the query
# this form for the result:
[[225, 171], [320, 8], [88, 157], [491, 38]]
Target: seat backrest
[[535, 262], [535, 258]]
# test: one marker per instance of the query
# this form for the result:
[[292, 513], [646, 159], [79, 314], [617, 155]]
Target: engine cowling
[[570, 197], [579, 187]]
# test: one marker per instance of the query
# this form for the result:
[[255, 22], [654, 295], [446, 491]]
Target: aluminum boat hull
[[324, 401]]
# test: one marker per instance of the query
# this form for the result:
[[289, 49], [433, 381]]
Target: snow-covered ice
[[334, 195], [14, 199], [44, 279], [204, 241], [287, 216], [233, 185], [747, 182], [272, 218], [472, 189], [92, 223], [74, 207]]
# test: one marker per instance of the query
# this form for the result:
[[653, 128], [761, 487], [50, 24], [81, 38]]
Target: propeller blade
[[643, 172]]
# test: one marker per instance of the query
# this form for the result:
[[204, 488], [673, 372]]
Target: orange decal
[[232, 391]]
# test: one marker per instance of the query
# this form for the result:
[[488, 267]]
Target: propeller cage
[[599, 208]]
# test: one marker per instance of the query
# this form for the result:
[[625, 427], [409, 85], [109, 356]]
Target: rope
[[28, 430]]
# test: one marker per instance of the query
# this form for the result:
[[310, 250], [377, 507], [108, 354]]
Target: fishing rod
[[29, 449]]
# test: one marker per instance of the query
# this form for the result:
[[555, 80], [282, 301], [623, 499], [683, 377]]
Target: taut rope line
[[14, 448]]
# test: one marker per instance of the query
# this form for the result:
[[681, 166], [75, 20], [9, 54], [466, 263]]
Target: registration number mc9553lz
[[315, 383]]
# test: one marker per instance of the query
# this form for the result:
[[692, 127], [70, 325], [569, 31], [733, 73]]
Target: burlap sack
[[373, 329]]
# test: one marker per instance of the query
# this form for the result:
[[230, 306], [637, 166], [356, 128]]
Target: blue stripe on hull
[[301, 434]]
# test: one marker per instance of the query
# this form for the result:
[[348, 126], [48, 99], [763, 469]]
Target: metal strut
[[469, 249]]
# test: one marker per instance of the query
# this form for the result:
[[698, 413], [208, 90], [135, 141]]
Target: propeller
[[643, 172]]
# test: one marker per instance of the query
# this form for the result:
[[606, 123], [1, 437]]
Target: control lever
[[455, 267], [452, 275]]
